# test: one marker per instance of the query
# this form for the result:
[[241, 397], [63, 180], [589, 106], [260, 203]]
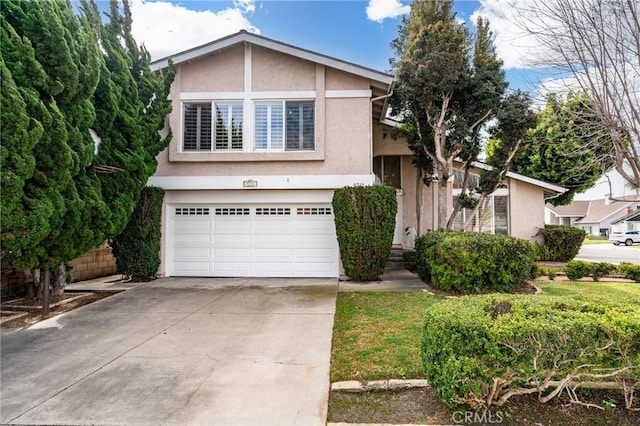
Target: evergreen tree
[[449, 85], [78, 100], [564, 147]]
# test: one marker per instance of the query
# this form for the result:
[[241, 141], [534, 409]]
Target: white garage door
[[252, 241]]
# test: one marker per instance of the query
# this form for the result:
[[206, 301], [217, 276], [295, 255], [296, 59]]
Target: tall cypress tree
[[68, 83]]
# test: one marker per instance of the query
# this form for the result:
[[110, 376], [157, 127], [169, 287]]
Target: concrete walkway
[[392, 280], [178, 351]]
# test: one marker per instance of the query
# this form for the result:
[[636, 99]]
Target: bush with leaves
[[137, 248], [577, 269], [365, 218], [496, 347], [601, 269], [630, 271], [561, 243], [474, 263]]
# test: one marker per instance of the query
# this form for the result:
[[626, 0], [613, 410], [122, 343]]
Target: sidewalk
[[392, 280]]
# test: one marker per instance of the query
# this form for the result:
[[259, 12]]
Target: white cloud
[[514, 46], [379, 10], [165, 28]]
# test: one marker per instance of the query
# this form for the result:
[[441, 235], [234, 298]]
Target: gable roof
[[631, 217], [549, 188], [381, 83], [575, 209]]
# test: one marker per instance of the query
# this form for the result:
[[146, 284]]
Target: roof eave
[[244, 36]]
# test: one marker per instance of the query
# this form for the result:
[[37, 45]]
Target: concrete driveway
[[178, 351]]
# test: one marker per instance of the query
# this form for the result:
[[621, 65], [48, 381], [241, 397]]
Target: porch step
[[396, 261]]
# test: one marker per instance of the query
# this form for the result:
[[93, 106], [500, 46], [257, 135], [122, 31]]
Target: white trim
[[523, 178], [212, 96], [249, 197], [348, 93], [246, 37], [263, 182]]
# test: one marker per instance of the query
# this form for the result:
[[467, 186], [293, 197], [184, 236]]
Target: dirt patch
[[527, 288], [422, 406], [33, 308]]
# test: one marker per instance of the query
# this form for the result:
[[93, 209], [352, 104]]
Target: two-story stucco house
[[263, 133]]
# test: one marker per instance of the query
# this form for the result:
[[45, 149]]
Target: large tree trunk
[[59, 281], [443, 201]]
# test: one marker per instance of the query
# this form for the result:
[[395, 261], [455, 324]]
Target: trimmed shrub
[[630, 271], [137, 248], [365, 218], [601, 269], [561, 243], [474, 263], [577, 269], [482, 350], [425, 249]]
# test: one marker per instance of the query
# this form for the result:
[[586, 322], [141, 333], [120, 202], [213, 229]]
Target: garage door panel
[[232, 226], [272, 227], [184, 224], [193, 268], [272, 269], [313, 255], [229, 269], [229, 240], [253, 240], [197, 253], [313, 269], [192, 240], [317, 241], [272, 241], [275, 255]]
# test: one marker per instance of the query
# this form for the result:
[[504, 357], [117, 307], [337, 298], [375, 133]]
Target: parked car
[[625, 237]]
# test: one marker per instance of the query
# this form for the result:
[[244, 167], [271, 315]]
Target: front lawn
[[378, 335], [619, 291]]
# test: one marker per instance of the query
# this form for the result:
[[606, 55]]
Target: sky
[[357, 31]]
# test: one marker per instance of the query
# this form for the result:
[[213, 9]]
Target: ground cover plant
[[497, 347], [580, 289]]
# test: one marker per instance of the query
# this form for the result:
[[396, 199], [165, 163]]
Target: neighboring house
[[596, 217], [263, 133], [630, 222]]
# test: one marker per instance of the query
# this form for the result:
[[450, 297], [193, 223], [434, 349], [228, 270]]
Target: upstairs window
[[202, 133], [228, 134], [284, 126], [196, 135]]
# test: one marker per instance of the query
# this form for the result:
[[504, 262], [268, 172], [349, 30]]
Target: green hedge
[[577, 269], [561, 243], [481, 350], [474, 263], [137, 248], [630, 271], [365, 218]]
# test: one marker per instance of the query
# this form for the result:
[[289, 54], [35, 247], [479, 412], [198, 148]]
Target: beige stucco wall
[[274, 71], [526, 201], [222, 72], [343, 124], [387, 141], [526, 210]]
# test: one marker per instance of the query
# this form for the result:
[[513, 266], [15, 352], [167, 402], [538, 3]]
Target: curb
[[377, 385]]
